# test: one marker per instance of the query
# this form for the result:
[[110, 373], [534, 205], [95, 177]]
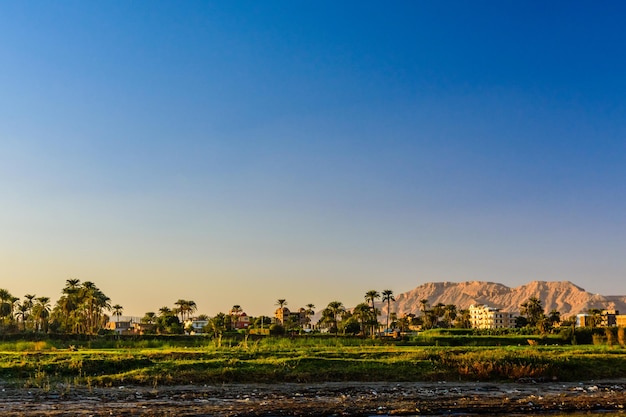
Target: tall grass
[[163, 361]]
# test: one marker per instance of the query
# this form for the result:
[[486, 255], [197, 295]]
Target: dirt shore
[[327, 399]]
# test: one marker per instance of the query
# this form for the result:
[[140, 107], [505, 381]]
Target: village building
[[485, 317], [242, 321], [120, 327], [143, 328], [282, 315], [607, 318], [195, 325]]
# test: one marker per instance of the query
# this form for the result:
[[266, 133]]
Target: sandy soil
[[345, 399]]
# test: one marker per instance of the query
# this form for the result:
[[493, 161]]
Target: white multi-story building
[[485, 317]]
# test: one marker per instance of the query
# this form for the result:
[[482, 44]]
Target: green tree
[[5, 304], [388, 298], [370, 297], [22, 314], [234, 313], [595, 317], [41, 312], [149, 318], [29, 304], [449, 314], [309, 312], [463, 319], [185, 308], [331, 314], [117, 311], [532, 310]]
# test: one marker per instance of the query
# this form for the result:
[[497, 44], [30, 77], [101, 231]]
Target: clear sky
[[239, 152]]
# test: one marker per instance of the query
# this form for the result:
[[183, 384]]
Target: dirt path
[[347, 399]]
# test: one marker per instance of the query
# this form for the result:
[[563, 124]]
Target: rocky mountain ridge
[[563, 296]]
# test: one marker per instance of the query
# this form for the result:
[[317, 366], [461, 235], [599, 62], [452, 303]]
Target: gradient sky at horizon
[[241, 152]]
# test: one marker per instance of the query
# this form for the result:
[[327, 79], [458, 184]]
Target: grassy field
[[162, 362]]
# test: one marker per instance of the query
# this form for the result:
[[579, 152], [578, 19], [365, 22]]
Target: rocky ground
[[345, 399]]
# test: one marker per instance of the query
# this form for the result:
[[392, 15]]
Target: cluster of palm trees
[[83, 306], [30, 314], [80, 309], [362, 319]]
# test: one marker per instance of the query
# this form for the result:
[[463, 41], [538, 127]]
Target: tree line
[[84, 309]]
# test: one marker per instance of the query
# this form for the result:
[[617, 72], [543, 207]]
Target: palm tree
[[149, 318], [28, 302], [68, 305], [117, 311], [5, 306], [309, 312], [595, 317], [404, 322], [13, 301], [463, 319], [388, 298], [449, 314], [281, 302], [371, 296], [332, 312], [181, 308], [22, 311], [532, 310], [394, 320], [363, 313], [41, 311], [234, 314], [554, 317], [424, 305]]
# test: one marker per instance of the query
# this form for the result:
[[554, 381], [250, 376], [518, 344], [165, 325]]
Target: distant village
[[84, 309]]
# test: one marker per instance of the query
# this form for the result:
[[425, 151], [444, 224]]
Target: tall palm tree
[[234, 314], [28, 302], [333, 311], [281, 302], [464, 319], [41, 311], [12, 303], [22, 311], [595, 317], [117, 311], [181, 308], [449, 314], [532, 310], [68, 305], [149, 318], [310, 312], [388, 298], [370, 297], [364, 315], [191, 307], [5, 306], [424, 305]]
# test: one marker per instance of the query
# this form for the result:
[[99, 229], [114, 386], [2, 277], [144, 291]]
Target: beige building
[[120, 327], [485, 317], [283, 314]]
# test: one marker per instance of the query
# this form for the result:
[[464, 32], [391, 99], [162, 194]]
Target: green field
[[109, 362]]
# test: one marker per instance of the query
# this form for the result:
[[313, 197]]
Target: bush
[[277, 330]]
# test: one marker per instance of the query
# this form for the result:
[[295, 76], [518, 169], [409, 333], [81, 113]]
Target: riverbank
[[308, 400]]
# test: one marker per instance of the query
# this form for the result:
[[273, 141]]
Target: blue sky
[[241, 152]]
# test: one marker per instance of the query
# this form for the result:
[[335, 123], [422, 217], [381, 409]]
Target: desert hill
[[562, 296]]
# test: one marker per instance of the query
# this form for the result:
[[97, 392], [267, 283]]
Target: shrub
[[277, 330]]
